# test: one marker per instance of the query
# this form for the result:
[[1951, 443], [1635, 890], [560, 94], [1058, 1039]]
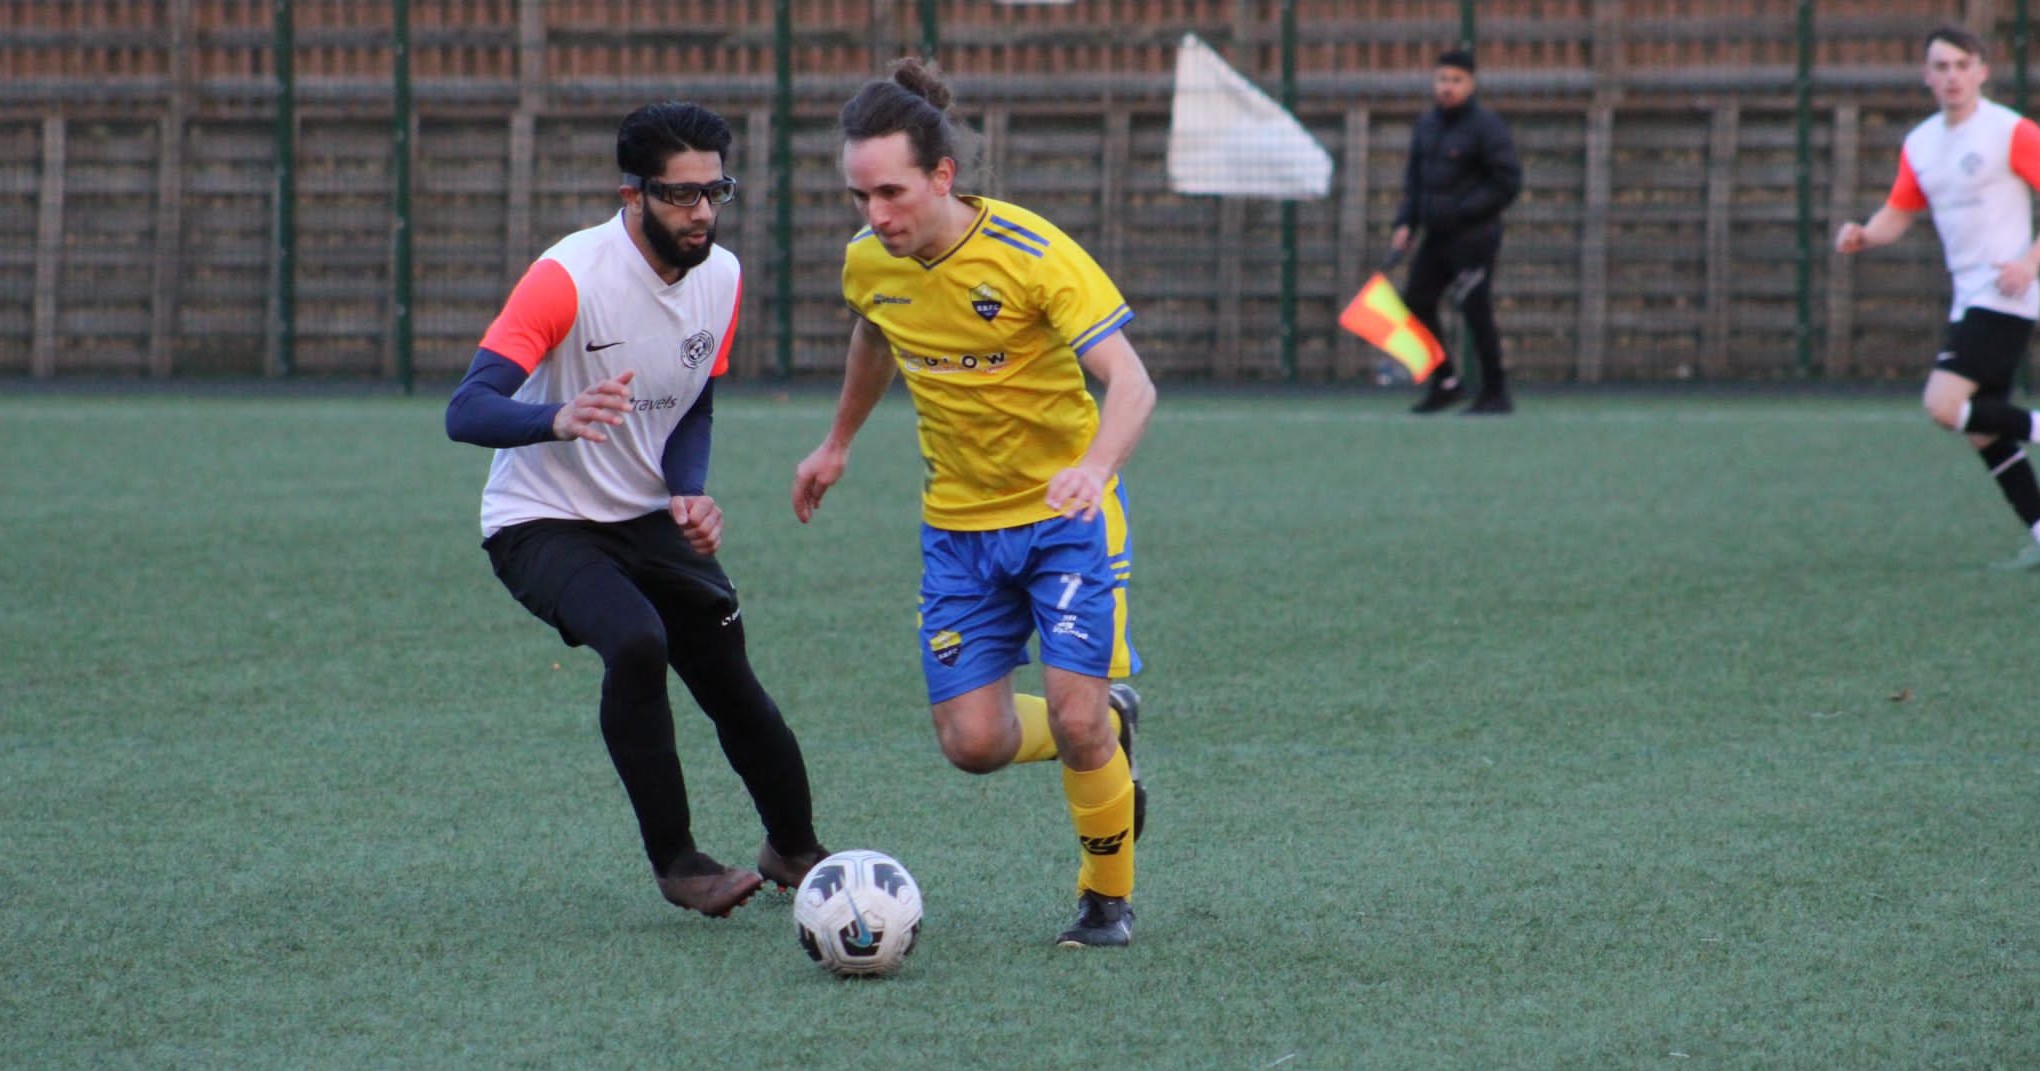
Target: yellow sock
[[1037, 744], [1101, 805]]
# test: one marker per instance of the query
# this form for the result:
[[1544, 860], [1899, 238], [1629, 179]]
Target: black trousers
[[638, 595], [1451, 263]]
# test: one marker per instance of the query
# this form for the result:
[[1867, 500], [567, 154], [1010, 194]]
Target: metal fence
[[291, 187]]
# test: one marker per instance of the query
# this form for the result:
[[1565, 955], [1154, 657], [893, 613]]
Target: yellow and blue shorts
[[1062, 580]]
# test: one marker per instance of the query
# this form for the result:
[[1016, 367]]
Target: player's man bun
[[923, 79], [913, 100]]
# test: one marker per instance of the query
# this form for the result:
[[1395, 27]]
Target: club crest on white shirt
[[698, 347]]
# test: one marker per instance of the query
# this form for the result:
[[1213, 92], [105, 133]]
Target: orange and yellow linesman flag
[[1377, 314]]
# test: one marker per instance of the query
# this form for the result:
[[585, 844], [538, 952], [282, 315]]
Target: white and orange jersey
[[1978, 178], [588, 309]]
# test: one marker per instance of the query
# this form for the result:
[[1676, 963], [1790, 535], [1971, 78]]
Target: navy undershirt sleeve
[[685, 460], [483, 412]]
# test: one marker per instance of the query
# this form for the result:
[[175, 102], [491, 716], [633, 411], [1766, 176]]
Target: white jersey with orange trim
[[588, 309], [1978, 177]]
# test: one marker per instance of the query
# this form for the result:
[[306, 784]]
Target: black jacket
[[1462, 171]]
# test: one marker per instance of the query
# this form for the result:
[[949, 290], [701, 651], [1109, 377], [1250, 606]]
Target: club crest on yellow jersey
[[986, 301]]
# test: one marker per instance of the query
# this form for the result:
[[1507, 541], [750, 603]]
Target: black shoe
[[712, 889], [787, 871], [1127, 702], [1102, 922], [1443, 394], [1485, 404]]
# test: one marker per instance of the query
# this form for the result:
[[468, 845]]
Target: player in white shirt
[[595, 385], [1974, 167]]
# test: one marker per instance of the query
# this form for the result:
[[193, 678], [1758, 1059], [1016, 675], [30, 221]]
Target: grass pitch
[[1630, 731]]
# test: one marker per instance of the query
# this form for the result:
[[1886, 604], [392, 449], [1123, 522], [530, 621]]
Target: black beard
[[666, 245]]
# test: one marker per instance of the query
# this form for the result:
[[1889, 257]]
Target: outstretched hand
[[605, 403]]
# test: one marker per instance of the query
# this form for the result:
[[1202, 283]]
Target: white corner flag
[[1228, 137]]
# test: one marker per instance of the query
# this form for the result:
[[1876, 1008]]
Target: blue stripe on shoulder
[[1021, 231], [1001, 236], [1097, 332]]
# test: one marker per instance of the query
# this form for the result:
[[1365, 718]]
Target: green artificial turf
[[1634, 730]]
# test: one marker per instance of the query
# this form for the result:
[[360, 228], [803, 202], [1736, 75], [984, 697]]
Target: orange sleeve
[[540, 312], [729, 335], [2026, 152], [1906, 195]]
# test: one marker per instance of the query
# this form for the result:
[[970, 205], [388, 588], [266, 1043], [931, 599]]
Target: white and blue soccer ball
[[858, 914]]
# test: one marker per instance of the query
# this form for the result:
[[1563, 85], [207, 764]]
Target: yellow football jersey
[[988, 337]]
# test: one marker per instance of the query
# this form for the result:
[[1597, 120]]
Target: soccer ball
[[857, 914]]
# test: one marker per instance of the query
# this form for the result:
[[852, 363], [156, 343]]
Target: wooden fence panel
[[109, 228], [20, 195], [228, 222], [471, 48], [1656, 237], [1538, 277], [1764, 243], [49, 245], [1176, 267], [460, 204], [1657, 232], [344, 247]]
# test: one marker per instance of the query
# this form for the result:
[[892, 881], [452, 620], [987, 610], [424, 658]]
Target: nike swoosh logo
[[593, 347], [861, 936]]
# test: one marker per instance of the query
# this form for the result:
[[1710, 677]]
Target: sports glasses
[[689, 194]]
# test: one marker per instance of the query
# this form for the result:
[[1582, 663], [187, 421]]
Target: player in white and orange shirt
[[1974, 167], [595, 385]]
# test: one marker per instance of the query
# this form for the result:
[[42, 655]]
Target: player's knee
[[640, 650], [1946, 414], [976, 763], [1090, 753], [978, 755], [1087, 741]]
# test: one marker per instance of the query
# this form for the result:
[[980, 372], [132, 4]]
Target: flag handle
[[1394, 258]]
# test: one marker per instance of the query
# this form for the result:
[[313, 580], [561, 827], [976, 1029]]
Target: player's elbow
[[1137, 386], [457, 421]]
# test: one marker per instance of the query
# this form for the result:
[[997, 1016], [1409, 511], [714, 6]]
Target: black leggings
[[701, 636]]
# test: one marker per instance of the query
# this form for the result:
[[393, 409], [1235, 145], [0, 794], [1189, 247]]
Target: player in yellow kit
[[994, 316]]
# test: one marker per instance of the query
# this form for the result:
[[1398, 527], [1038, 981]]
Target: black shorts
[[1986, 347], [538, 560]]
